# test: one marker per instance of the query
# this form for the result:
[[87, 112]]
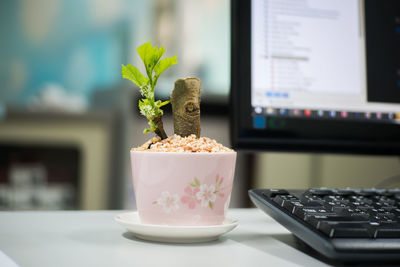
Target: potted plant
[[184, 179]]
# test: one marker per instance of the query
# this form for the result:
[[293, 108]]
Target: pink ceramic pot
[[177, 188]]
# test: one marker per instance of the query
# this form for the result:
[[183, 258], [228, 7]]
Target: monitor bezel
[[353, 137]]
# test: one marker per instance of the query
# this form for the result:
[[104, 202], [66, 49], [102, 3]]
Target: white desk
[[92, 238]]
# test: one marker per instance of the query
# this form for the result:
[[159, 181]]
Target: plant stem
[[160, 128]]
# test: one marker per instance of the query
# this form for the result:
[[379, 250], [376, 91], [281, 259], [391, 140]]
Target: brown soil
[[177, 143]]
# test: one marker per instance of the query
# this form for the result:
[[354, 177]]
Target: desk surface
[[92, 238]]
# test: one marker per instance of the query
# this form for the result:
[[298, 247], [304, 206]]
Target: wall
[[290, 170]]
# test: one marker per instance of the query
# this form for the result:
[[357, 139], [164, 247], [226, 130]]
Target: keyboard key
[[387, 193], [345, 230], [281, 199], [319, 191], [394, 191], [275, 192], [387, 222], [302, 211], [366, 192], [288, 205], [317, 219], [387, 232], [388, 215], [344, 192], [340, 210], [313, 203]]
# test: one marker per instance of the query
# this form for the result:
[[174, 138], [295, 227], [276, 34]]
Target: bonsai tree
[[185, 97], [154, 66]]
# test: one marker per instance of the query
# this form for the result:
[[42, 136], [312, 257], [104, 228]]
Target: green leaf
[[132, 73], [165, 64], [159, 104], [210, 204], [164, 103], [145, 51], [197, 182], [150, 56]]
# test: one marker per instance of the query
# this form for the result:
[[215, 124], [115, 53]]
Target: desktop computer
[[321, 76]]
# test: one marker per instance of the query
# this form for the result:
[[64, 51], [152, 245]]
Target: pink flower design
[[168, 201], [219, 180], [206, 195], [190, 197]]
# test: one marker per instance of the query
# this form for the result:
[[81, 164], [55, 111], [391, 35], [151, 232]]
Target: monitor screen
[[316, 76]]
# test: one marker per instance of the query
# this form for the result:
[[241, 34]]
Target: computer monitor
[[316, 76]]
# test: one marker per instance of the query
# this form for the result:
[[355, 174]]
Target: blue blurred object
[[42, 43], [80, 45]]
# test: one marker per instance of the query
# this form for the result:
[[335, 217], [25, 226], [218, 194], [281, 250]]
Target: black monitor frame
[[294, 134]]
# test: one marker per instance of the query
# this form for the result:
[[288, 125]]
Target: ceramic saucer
[[173, 234]]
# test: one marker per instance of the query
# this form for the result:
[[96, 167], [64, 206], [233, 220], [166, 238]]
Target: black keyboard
[[341, 224]]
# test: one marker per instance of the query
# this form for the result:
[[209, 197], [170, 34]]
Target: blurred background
[[68, 119]]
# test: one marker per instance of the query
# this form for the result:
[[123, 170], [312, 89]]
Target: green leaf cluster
[[155, 66]]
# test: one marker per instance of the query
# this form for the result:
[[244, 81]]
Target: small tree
[[148, 106]]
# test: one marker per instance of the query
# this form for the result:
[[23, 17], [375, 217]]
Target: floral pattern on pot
[[191, 197], [195, 193], [168, 201]]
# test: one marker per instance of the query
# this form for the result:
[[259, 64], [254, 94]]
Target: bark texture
[[160, 128], [185, 101]]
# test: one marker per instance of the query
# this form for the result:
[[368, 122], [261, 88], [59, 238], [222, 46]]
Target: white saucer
[[173, 234]]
